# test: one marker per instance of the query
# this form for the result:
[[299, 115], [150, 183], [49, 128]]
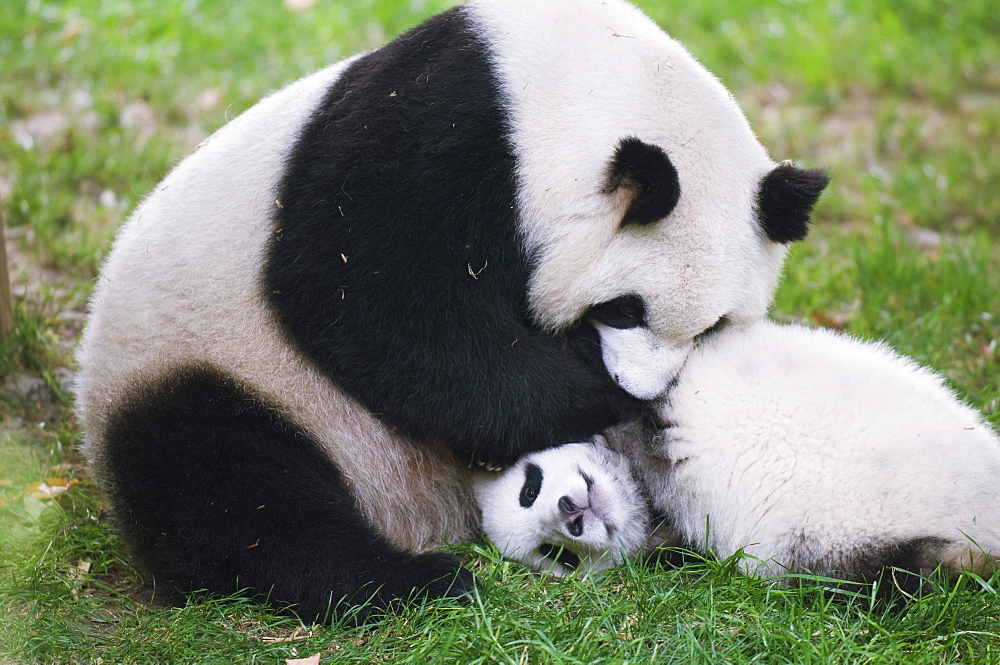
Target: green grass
[[98, 99]]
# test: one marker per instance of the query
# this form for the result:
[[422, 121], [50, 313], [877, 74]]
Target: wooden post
[[6, 304]]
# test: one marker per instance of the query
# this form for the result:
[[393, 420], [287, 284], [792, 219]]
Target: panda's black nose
[[574, 516]]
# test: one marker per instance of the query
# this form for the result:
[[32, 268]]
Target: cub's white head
[[565, 509]]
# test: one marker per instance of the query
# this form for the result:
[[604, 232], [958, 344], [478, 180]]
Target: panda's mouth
[[560, 555], [722, 322]]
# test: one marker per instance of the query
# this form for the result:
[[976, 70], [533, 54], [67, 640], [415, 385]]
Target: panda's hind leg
[[215, 490]]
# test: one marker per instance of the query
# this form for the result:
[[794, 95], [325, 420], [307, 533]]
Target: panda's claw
[[488, 466], [478, 461]]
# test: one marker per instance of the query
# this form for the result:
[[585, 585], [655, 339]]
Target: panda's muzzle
[[573, 516], [640, 362]]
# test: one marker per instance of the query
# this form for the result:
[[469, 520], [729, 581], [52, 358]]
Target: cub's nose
[[574, 516]]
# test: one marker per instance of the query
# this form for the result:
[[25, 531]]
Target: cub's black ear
[[785, 200], [646, 173]]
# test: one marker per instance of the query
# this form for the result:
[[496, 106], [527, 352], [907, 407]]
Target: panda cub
[[574, 507], [810, 450]]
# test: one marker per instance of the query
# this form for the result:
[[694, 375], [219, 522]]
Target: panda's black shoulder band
[[401, 271]]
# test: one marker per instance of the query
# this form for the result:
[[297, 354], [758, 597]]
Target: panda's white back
[[218, 195], [168, 251], [810, 447]]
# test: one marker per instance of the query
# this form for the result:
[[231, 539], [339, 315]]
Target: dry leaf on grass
[[311, 660], [79, 574], [296, 635], [50, 488]]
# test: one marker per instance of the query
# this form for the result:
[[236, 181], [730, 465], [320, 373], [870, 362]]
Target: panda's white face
[[639, 178], [565, 509]]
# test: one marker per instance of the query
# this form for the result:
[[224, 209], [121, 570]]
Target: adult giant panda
[[412, 259], [809, 450]]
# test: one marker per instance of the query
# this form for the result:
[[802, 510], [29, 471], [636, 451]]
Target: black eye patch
[[622, 312], [532, 485], [646, 172], [559, 555], [785, 200]]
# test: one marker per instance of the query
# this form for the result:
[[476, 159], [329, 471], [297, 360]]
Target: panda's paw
[[478, 460], [487, 465], [439, 575]]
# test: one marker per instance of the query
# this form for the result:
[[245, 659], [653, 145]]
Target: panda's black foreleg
[[215, 490]]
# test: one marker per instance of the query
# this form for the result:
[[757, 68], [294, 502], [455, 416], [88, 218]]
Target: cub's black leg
[[214, 490]]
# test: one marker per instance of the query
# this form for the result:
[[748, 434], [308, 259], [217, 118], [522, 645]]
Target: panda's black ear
[[647, 174], [785, 200]]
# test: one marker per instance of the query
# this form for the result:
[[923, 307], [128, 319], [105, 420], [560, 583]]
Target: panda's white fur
[[168, 295], [810, 451], [405, 262], [573, 508], [634, 80], [816, 451]]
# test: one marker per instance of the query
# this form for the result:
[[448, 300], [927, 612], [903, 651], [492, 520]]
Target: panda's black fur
[[426, 257], [274, 515], [458, 289]]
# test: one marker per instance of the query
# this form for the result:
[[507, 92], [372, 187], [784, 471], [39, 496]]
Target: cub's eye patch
[[532, 485], [559, 555]]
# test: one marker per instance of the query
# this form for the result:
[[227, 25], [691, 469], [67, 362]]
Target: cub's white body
[[810, 451]]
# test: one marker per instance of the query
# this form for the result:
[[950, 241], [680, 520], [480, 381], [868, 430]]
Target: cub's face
[[565, 509]]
